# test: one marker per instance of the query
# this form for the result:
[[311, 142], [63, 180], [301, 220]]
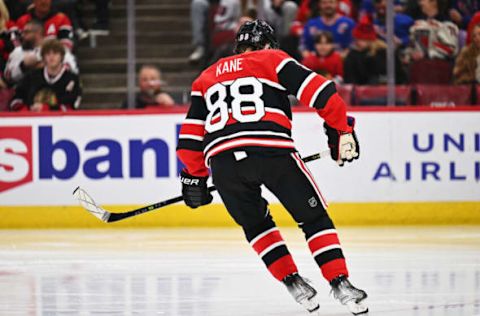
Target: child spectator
[[150, 86], [366, 62], [326, 61], [51, 88], [57, 25], [467, 65], [27, 56], [329, 20]]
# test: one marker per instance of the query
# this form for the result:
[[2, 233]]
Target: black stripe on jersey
[[328, 256], [292, 75], [275, 254], [324, 96], [278, 99], [317, 225], [190, 144], [246, 127], [198, 109]]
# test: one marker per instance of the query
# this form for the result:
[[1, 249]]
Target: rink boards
[[417, 167]]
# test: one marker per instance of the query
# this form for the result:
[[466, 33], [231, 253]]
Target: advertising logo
[[15, 156]]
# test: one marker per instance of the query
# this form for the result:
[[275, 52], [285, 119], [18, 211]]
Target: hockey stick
[[87, 202]]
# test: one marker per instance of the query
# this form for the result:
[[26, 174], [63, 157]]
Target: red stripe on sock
[[323, 241], [266, 241], [282, 267], [334, 268]]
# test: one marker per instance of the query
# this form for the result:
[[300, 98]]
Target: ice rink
[[406, 271]]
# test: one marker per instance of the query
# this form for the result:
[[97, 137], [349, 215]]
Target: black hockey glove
[[343, 146], [194, 190]]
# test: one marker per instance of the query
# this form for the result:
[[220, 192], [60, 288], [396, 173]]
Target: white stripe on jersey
[[275, 143], [325, 249], [271, 247], [193, 121], [283, 63], [245, 133], [304, 84], [322, 233], [271, 84], [315, 95], [190, 136], [276, 111], [196, 94]]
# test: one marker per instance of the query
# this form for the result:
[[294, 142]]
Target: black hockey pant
[[287, 177]]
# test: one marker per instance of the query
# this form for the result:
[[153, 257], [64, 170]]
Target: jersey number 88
[[219, 109]]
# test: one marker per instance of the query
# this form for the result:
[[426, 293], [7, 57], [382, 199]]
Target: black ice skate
[[349, 295], [302, 292]]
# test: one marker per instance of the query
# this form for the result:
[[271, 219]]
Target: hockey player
[[239, 124]]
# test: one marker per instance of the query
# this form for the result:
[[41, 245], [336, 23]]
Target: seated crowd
[[345, 40], [38, 68], [436, 42]]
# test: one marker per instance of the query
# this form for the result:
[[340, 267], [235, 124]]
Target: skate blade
[[357, 308]]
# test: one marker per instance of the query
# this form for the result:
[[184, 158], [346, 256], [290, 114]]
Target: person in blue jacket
[[329, 20]]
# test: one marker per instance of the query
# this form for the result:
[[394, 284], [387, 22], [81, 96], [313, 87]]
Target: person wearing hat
[[366, 62]]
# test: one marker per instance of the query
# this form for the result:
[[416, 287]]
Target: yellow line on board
[[215, 215]]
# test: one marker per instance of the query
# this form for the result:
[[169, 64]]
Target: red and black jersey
[[241, 102], [57, 25], [60, 93]]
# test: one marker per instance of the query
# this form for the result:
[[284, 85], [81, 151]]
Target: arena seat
[[346, 92], [477, 94], [377, 95], [431, 71], [5, 96], [443, 95]]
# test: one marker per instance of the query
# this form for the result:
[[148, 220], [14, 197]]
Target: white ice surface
[[411, 271]]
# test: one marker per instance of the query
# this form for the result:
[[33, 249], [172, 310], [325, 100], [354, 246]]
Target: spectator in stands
[[467, 65], [326, 61], [427, 9], [433, 36], [51, 88], [402, 24], [226, 20], [102, 18], [27, 57], [366, 61], [6, 40], [279, 14], [474, 21], [17, 8], [150, 86], [57, 25], [72, 9], [461, 11], [329, 20], [198, 17]]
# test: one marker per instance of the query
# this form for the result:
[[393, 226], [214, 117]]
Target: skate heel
[[349, 295], [302, 291]]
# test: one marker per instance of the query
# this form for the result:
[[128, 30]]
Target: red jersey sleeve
[[192, 131], [312, 90]]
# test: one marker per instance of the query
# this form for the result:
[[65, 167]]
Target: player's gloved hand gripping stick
[[343, 146], [197, 196]]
